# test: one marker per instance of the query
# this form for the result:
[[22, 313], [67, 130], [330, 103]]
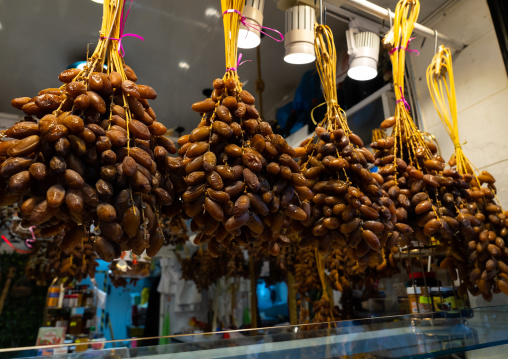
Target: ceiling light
[[299, 36], [248, 37], [212, 12], [99, 1], [363, 51], [183, 65]]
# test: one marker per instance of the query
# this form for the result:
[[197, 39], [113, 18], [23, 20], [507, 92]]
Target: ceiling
[[40, 38]]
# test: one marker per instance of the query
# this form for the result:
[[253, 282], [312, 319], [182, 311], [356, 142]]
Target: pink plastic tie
[[122, 35], [417, 53], [403, 100], [254, 26], [238, 63], [29, 241]]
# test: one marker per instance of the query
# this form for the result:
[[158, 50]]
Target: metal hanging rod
[[387, 15]]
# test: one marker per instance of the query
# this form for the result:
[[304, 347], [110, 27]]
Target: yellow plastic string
[[326, 64], [378, 134], [405, 132], [231, 20], [320, 262], [312, 112], [441, 86]]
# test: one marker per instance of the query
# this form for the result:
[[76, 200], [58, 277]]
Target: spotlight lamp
[[299, 36], [249, 38], [363, 51]]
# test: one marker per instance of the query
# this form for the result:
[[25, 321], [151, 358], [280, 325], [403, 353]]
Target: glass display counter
[[473, 333]]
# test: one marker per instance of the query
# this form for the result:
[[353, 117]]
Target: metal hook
[[321, 22], [435, 41]]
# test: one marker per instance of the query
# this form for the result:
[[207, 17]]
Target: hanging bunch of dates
[[479, 255], [40, 264], [91, 156], [345, 272], [204, 269], [412, 173], [306, 275], [424, 193], [307, 283], [242, 181], [47, 261], [315, 305], [346, 206]]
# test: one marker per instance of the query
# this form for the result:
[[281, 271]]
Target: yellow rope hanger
[[231, 14], [406, 134], [441, 86]]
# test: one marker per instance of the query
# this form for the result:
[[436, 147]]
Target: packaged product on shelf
[[420, 301]]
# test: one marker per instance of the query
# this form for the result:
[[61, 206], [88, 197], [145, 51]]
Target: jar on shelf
[[61, 321], [75, 325], [53, 296], [445, 298], [67, 298], [89, 298], [419, 300]]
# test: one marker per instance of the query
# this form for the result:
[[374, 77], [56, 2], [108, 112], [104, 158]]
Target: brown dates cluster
[[425, 194], [480, 256], [47, 262], [445, 205], [345, 272], [204, 269], [346, 205], [41, 262], [93, 161], [242, 181], [306, 274]]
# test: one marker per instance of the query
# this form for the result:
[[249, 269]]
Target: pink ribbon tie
[[417, 53], [238, 63], [403, 100], [29, 241], [122, 35], [254, 26]]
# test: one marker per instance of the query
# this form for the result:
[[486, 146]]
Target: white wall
[[481, 85], [482, 95]]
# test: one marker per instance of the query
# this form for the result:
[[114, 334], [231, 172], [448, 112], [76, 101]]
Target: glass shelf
[[405, 336]]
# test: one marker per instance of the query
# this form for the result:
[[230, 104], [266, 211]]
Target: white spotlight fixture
[[363, 51], [299, 36], [212, 12], [248, 37], [183, 65]]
